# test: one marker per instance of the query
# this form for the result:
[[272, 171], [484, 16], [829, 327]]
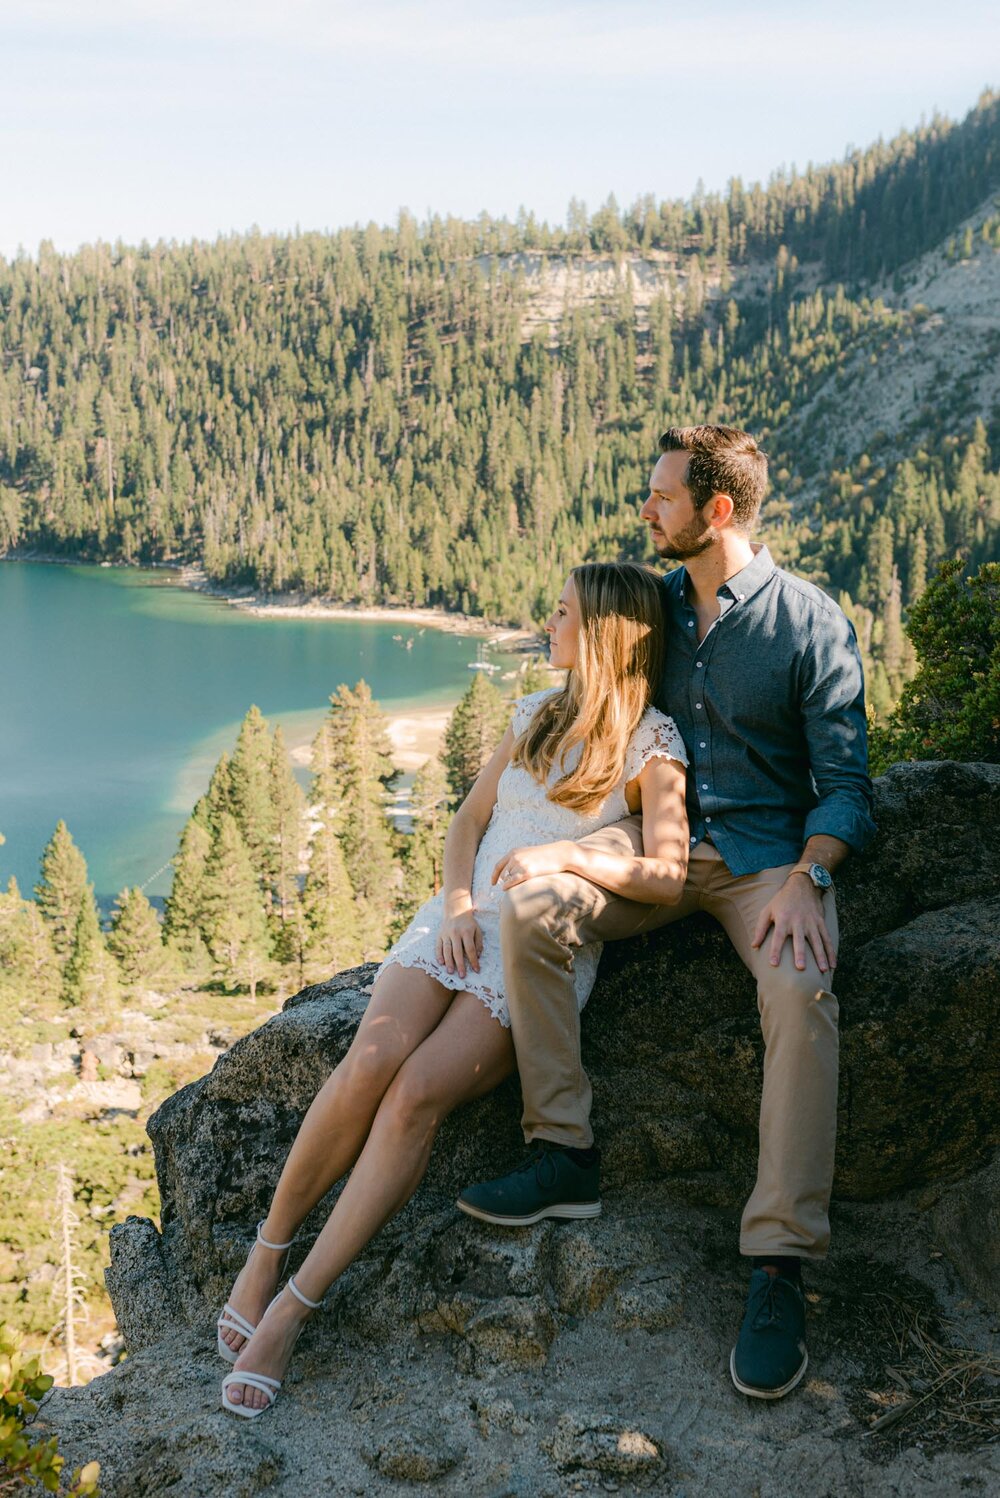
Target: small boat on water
[[482, 664]]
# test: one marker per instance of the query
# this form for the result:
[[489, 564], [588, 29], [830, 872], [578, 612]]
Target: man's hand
[[528, 863], [797, 912]]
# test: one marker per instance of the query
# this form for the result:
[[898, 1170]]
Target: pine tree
[[288, 806], [91, 977], [250, 793], [30, 976], [423, 850], [234, 921], [72, 1297], [474, 730], [218, 799], [951, 708], [893, 642], [355, 765], [135, 939], [289, 938], [536, 675], [61, 889], [184, 915], [916, 574], [332, 937], [326, 792]]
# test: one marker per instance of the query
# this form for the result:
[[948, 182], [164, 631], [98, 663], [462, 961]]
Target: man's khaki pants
[[544, 920]]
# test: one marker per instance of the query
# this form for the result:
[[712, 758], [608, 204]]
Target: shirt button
[[690, 624], [741, 596], [703, 745], [704, 787], [697, 704], [708, 819], [694, 840], [699, 664]]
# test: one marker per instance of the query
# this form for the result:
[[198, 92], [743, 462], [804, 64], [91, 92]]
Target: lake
[[120, 689]]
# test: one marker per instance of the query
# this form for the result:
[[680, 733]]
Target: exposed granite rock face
[[491, 1361], [967, 1225]]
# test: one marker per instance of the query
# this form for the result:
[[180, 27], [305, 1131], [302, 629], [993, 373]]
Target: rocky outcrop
[[967, 1226], [672, 1043], [450, 1340]]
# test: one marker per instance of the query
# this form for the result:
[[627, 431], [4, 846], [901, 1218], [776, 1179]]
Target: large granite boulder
[[672, 1043]]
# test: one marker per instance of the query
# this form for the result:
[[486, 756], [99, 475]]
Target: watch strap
[[807, 868]]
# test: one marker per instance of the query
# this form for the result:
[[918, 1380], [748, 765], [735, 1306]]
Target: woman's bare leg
[[405, 1006], [466, 1056]]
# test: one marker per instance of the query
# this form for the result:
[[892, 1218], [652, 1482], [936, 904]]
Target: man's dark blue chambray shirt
[[771, 709]]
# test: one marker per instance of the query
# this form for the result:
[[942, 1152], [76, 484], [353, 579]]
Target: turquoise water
[[119, 690]]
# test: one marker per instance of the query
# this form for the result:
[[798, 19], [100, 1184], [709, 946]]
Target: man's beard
[[690, 542]]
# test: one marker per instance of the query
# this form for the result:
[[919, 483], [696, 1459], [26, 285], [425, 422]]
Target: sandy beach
[[417, 735], [297, 605]]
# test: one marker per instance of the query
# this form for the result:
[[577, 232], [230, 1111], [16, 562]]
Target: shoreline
[[302, 606], [191, 576], [415, 733]]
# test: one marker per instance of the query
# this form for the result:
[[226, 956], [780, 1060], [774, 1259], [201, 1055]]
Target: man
[[764, 681]]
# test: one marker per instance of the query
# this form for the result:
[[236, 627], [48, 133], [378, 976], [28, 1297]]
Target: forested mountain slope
[[453, 413]]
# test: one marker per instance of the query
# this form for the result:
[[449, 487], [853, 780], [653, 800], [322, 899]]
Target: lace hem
[[495, 1002]]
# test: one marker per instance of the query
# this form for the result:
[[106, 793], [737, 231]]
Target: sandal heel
[[231, 1319]]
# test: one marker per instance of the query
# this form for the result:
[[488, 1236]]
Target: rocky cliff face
[[571, 1355]]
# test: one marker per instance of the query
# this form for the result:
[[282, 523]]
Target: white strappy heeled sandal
[[263, 1381], [231, 1320]]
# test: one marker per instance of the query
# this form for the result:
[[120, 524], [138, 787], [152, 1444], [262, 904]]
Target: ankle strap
[[314, 1304], [266, 1243]]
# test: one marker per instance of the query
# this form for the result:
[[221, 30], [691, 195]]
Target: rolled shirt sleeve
[[836, 731]]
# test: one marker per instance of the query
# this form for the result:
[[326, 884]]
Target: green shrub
[[951, 708], [24, 1463]]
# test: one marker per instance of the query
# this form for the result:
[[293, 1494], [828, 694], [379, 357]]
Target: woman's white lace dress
[[522, 817]]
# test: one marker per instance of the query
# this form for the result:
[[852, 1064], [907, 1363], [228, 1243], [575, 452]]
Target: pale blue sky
[[176, 119]]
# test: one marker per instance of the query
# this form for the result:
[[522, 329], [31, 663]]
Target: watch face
[[821, 877]]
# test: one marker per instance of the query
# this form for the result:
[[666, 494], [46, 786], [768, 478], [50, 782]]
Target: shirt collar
[[741, 586], [751, 578]]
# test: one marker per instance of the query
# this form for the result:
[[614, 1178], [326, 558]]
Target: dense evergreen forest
[[360, 414]]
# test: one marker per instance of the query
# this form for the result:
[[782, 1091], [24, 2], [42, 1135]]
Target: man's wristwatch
[[821, 877]]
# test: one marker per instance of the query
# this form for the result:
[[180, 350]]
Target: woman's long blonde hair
[[618, 667]]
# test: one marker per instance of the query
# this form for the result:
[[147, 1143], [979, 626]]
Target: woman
[[436, 1032]]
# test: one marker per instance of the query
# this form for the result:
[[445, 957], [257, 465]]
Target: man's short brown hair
[[723, 460]]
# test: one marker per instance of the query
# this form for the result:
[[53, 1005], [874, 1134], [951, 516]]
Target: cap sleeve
[[525, 708], [657, 737]]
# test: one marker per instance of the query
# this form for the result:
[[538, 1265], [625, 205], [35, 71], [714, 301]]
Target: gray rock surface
[[967, 1226], [618, 1404], [594, 1355]]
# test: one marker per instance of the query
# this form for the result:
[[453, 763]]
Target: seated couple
[[707, 752]]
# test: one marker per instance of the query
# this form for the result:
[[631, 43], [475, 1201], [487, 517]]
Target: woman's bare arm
[[460, 940], [657, 877]]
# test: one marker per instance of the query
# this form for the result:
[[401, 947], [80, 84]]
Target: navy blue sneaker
[[770, 1353], [551, 1182]]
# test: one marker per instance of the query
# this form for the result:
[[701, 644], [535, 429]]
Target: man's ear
[[719, 510]]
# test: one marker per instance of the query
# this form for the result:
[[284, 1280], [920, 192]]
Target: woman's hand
[[460, 942], [529, 863]]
